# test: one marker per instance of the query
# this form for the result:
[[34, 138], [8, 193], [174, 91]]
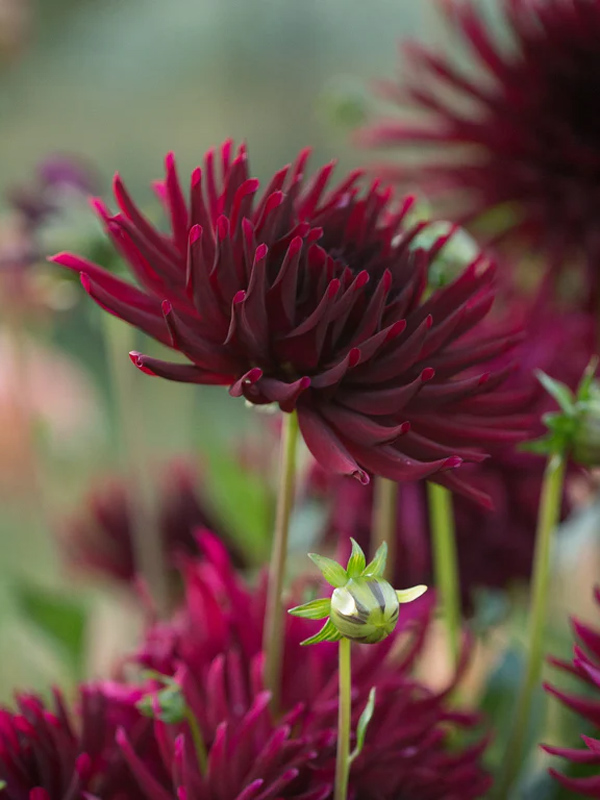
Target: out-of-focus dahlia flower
[[49, 753], [406, 751], [517, 132], [100, 538], [585, 666], [494, 548], [312, 299]]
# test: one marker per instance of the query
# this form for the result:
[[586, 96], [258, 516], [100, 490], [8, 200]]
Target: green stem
[[199, 745], [272, 637], [385, 509], [146, 535], [548, 518], [445, 561], [342, 763]]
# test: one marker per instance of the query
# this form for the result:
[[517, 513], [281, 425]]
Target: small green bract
[[364, 607]]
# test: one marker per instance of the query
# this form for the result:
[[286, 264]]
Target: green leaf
[[328, 633], [315, 609], [376, 567], [60, 618], [357, 561], [561, 393], [363, 724], [333, 572], [408, 595]]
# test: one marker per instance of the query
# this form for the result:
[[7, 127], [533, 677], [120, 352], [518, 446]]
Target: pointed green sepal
[[585, 385], [328, 633], [408, 595], [333, 572], [363, 724], [357, 561], [376, 567], [315, 609], [561, 393]]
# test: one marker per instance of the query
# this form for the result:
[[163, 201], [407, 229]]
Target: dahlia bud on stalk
[[363, 608]]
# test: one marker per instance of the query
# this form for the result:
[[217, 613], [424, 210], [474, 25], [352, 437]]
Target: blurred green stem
[[146, 535], [445, 561], [385, 508], [199, 745], [273, 631], [548, 517], [342, 763]]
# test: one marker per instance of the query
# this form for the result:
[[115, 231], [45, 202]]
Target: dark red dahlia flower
[[100, 539], [47, 753], [407, 752], [313, 300], [585, 666], [518, 132]]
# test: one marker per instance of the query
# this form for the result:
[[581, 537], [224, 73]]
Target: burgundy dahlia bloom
[[517, 132], [49, 753], [99, 539], [586, 667], [407, 751], [312, 299]]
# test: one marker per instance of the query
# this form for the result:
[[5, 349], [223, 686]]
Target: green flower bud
[[365, 609], [586, 440]]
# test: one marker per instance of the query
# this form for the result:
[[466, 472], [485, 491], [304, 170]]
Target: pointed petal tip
[[195, 233]]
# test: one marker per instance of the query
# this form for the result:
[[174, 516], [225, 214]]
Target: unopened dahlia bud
[[364, 607]]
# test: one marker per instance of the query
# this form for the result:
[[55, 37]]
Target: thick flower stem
[[445, 561], [273, 635], [146, 538], [342, 764], [548, 517], [385, 511]]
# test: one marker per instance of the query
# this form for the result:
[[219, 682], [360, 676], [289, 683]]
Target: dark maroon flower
[[313, 300], [48, 753], [517, 132], [495, 548], [100, 537], [586, 667], [407, 751]]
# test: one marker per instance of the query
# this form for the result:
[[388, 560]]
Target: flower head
[[100, 538], [514, 135], [406, 751], [313, 300], [363, 607], [586, 667]]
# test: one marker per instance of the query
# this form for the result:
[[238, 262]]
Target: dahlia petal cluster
[[495, 548], [99, 538], [407, 750], [516, 132], [586, 667], [312, 299]]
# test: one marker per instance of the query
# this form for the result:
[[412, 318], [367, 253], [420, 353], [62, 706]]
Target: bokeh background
[[118, 84]]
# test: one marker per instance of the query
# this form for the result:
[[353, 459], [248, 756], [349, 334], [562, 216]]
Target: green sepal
[[584, 390], [376, 567], [561, 393], [357, 561], [363, 724], [328, 633], [315, 609], [167, 705], [408, 595], [333, 572]]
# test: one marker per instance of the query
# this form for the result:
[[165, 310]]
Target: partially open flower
[[312, 299]]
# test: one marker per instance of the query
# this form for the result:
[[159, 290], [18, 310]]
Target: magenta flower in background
[[99, 538], [586, 667], [407, 749], [49, 753], [312, 299], [517, 131]]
